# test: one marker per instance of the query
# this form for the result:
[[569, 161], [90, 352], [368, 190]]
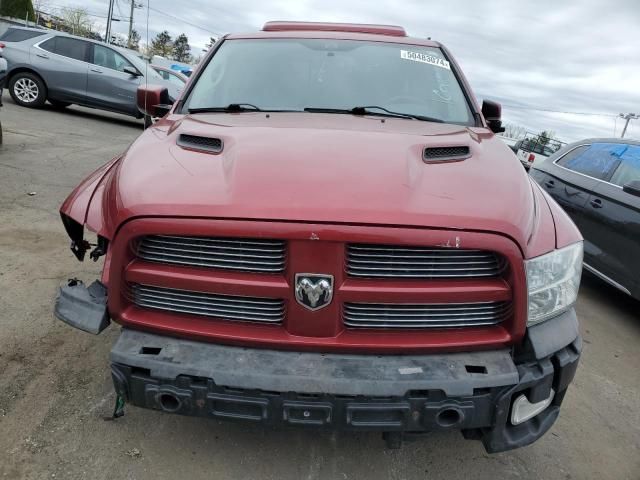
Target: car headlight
[[553, 281]]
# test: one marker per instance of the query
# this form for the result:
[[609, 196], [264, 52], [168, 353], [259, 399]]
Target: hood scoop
[[446, 154], [199, 143]]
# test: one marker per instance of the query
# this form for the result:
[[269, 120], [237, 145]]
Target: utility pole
[[107, 37], [133, 6], [628, 117]]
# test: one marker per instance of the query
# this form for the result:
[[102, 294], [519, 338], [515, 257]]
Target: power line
[[184, 21]]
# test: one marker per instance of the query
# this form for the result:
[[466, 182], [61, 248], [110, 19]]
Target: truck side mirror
[[153, 100], [632, 188], [492, 113]]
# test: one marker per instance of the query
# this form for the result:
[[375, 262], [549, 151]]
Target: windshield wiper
[[368, 111], [232, 107]]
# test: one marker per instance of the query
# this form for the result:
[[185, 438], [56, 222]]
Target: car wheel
[[58, 104], [27, 90]]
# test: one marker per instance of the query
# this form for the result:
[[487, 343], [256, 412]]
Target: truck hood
[[321, 168]]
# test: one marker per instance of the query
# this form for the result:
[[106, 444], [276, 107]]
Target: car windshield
[[294, 74]]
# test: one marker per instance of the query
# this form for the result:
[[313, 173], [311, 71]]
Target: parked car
[[534, 149], [597, 182], [173, 76], [64, 69], [321, 232]]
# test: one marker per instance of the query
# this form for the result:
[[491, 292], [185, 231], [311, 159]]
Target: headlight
[[553, 281]]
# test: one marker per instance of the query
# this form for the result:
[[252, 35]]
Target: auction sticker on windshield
[[424, 58]]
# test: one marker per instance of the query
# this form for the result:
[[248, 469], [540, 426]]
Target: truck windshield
[[294, 74]]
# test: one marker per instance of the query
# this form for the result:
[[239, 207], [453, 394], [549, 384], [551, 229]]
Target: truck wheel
[[27, 90], [58, 104]]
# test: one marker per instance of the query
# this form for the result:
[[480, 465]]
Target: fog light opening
[[169, 402], [523, 410], [448, 417]]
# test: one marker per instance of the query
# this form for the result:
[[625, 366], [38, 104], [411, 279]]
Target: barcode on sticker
[[424, 58]]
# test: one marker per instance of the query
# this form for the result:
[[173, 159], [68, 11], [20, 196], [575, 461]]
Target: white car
[[534, 149]]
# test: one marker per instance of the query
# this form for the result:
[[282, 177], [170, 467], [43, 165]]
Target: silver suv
[[64, 69]]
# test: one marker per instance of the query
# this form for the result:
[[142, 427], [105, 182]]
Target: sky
[[574, 56]]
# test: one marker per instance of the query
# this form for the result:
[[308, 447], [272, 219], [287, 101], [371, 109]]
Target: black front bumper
[[471, 392]]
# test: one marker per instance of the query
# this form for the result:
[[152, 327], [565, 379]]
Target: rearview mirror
[[132, 71], [633, 188], [153, 100], [492, 113]]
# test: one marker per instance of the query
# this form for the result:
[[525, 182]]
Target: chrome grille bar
[[250, 255], [227, 307], [380, 315], [392, 261]]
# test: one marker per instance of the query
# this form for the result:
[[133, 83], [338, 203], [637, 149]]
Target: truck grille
[[250, 255], [385, 261], [378, 315], [228, 307]]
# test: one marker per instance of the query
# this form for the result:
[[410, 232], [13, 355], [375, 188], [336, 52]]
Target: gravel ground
[[55, 388]]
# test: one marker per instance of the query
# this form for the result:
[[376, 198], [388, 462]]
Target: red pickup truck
[[324, 231]]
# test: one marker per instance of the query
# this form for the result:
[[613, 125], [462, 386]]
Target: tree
[[93, 35], [119, 40], [212, 41], [135, 40], [146, 51], [181, 49], [39, 5], [77, 21], [546, 135], [18, 9], [514, 131], [162, 45]]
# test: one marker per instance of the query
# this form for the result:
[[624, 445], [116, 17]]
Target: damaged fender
[[84, 206]]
